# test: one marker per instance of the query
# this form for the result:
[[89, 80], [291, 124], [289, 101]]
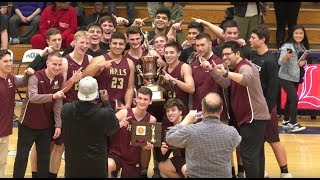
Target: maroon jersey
[[240, 105], [138, 80], [178, 93], [120, 142], [41, 115], [203, 82], [7, 99], [115, 80], [73, 66]]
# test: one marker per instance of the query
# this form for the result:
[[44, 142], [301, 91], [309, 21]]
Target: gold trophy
[[150, 70]]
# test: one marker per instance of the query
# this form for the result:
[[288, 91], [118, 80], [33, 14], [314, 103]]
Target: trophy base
[[157, 95]]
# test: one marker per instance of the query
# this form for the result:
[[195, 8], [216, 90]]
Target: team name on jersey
[[76, 85], [10, 85], [129, 127], [119, 72]]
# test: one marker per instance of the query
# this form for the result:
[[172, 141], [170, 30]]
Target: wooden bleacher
[[213, 12]]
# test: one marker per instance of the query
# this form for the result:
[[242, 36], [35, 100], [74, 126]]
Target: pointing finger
[[213, 63], [144, 19], [127, 118], [164, 71], [63, 89], [79, 69], [112, 60], [114, 16]]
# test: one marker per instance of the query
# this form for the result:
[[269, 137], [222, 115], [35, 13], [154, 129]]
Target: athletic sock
[[34, 174], [52, 175], [240, 168], [284, 169], [233, 172]]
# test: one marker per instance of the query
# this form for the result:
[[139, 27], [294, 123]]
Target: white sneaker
[[286, 125], [297, 127], [266, 175], [240, 175], [285, 175]]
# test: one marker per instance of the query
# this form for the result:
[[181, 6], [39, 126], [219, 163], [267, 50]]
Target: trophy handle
[[139, 71], [158, 70]]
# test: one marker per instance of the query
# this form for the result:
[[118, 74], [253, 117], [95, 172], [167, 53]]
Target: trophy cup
[[150, 71]]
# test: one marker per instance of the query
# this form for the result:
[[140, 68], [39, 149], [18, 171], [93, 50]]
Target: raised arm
[[68, 83], [215, 29], [188, 84], [95, 67]]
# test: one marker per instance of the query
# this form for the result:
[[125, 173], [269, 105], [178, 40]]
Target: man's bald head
[[212, 103]]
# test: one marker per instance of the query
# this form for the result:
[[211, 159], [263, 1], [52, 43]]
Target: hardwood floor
[[302, 152]]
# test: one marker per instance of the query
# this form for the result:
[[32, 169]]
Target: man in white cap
[[87, 123]]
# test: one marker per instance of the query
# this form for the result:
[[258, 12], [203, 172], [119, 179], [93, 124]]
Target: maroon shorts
[[272, 133], [178, 162], [128, 170]]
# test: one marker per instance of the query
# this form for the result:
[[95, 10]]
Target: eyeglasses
[[227, 54]]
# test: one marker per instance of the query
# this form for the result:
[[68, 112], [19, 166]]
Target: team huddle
[[85, 101]]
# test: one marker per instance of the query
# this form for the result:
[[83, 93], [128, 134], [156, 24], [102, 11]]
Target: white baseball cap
[[88, 89]]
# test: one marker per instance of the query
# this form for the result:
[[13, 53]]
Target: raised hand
[[220, 69], [104, 96], [59, 94], [177, 26], [241, 42], [124, 122], [185, 44], [149, 146], [206, 65], [166, 75], [120, 20], [29, 71], [171, 39], [139, 22], [47, 50], [201, 59], [106, 64], [164, 148], [77, 75], [197, 20]]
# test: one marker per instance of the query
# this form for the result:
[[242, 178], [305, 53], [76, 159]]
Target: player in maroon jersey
[[114, 72], [121, 153], [72, 65]]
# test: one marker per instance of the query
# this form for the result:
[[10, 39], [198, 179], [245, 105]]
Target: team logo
[[63, 25], [141, 130], [10, 85], [55, 86]]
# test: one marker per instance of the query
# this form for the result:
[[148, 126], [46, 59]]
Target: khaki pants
[[4, 146], [245, 25]]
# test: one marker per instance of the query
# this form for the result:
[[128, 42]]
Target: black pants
[[290, 109], [252, 148], [26, 137], [286, 14]]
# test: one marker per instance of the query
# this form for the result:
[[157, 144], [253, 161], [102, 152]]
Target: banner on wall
[[308, 91]]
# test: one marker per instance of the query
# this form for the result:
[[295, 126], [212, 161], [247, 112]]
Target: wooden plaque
[[143, 132]]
